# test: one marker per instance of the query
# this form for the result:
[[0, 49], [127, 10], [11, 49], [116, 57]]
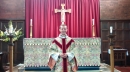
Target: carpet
[[123, 69]]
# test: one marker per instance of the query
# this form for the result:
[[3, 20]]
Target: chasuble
[[58, 64]]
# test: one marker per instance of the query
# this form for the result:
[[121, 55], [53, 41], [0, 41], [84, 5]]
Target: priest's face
[[63, 29]]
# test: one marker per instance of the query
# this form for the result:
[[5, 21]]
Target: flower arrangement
[[16, 33]]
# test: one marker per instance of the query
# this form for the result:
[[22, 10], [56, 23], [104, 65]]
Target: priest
[[62, 58]]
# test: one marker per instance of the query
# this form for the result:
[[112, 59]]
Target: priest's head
[[63, 29]]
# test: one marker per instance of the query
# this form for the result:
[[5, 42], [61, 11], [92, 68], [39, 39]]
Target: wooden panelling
[[18, 45], [121, 28]]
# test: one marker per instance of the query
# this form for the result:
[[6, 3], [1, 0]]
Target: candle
[[93, 21], [10, 31], [30, 22], [111, 29]]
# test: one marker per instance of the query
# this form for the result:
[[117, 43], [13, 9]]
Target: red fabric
[[64, 47], [46, 23], [57, 43], [60, 46], [51, 63], [69, 43], [64, 51]]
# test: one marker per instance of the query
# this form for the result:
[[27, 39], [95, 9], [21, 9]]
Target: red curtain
[[46, 22]]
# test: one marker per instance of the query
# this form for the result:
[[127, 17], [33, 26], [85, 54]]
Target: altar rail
[[36, 54]]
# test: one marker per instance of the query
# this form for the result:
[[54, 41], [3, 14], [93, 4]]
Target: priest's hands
[[63, 55]]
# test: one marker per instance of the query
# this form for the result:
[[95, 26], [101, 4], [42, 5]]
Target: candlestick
[[111, 36], [30, 28], [93, 30]]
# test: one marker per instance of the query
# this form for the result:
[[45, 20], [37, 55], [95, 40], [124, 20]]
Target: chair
[[2, 68], [1, 63], [120, 55]]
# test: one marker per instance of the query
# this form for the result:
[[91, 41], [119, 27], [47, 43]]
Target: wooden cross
[[63, 12]]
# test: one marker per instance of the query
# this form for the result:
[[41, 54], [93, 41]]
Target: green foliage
[[16, 33]]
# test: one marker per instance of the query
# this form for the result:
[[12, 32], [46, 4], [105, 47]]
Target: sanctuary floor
[[103, 68]]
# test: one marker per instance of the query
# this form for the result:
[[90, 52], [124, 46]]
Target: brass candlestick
[[111, 36], [30, 31], [93, 32]]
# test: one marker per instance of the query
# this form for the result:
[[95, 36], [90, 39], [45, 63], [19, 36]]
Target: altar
[[36, 54]]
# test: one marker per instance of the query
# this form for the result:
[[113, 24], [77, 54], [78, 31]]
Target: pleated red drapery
[[46, 22]]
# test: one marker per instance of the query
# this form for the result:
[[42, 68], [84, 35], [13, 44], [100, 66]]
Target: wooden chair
[[117, 47], [120, 55], [1, 63], [2, 68]]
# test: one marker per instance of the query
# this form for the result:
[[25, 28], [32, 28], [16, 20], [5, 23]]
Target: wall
[[114, 9], [12, 9]]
